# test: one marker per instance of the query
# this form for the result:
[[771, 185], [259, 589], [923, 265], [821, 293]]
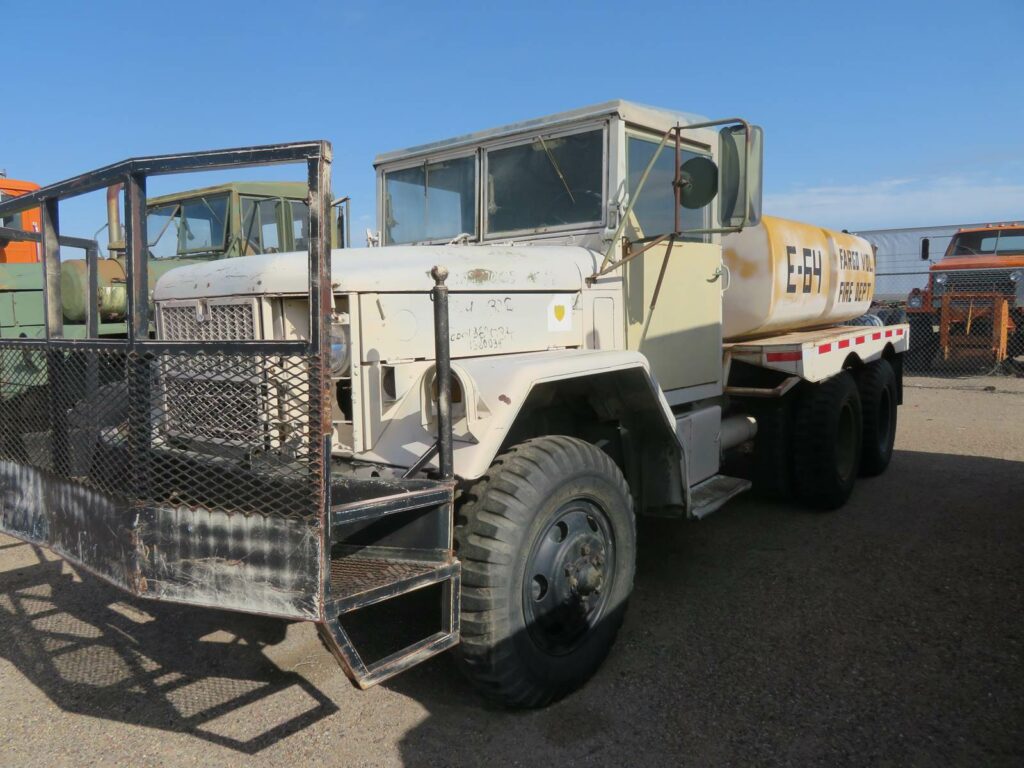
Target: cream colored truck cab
[[526, 312], [590, 376]]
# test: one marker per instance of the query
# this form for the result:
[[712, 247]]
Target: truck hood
[[392, 269], [978, 262]]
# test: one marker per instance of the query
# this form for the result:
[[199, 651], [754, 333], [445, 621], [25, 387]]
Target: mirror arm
[[606, 263]]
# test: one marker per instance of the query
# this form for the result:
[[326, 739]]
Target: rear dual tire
[[876, 384], [827, 442], [843, 427]]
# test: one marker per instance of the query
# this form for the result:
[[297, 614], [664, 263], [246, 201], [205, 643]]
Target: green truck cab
[[234, 219]]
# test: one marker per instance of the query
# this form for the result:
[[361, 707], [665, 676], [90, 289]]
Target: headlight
[[941, 279], [916, 301], [341, 348], [1017, 276]]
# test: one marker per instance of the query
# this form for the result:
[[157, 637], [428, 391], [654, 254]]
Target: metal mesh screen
[[964, 322], [233, 432]]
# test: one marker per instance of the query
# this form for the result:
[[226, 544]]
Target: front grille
[[208, 321], [214, 411], [976, 281], [213, 408]]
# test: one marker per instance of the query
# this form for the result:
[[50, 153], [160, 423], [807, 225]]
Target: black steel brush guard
[[91, 468]]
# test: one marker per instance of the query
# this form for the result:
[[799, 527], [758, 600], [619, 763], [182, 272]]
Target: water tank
[[785, 276]]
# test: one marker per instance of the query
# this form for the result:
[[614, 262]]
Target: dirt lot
[[889, 632]]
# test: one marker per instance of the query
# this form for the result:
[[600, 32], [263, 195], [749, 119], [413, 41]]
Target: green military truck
[[199, 225]]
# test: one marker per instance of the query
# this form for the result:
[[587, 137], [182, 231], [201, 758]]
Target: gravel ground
[[887, 633]]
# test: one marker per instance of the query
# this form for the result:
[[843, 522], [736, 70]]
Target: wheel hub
[[567, 577]]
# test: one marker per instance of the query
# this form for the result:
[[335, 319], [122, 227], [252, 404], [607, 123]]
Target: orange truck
[[18, 252], [972, 309]]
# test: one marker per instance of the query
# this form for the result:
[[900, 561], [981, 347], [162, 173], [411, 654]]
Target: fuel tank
[[74, 289], [787, 276], [112, 297]]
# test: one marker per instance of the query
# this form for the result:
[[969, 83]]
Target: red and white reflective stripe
[[824, 349]]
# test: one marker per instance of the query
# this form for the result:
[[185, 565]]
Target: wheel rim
[[569, 576], [846, 448]]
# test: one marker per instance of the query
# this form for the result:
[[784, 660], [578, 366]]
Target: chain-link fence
[[964, 323]]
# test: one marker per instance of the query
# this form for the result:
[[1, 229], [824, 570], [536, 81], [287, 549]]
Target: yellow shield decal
[[559, 312]]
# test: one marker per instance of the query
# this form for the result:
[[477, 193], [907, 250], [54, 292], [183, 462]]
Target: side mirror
[[925, 244], [740, 163]]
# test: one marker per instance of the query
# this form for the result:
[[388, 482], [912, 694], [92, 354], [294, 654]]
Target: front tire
[[547, 541]]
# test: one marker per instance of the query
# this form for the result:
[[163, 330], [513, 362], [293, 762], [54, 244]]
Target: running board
[[357, 582], [710, 495]]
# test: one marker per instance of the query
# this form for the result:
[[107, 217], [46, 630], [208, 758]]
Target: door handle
[[722, 271]]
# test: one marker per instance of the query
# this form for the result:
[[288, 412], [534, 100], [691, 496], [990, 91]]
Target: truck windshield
[[13, 222], [433, 201], [193, 226], [989, 243], [548, 182]]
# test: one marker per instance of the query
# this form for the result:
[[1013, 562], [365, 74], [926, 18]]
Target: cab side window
[[299, 225], [654, 210]]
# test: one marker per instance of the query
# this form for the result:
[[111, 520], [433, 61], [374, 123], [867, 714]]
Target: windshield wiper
[[554, 164]]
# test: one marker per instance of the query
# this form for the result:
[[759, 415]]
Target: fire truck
[[569, 322]]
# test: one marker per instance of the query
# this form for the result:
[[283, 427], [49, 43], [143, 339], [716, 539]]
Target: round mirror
[[698, 182]]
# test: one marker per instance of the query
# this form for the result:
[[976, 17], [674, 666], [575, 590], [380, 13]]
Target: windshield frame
[[419, 162], [525, 140]]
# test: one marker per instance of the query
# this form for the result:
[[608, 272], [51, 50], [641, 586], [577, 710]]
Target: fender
[[497, 391], [505, 384]]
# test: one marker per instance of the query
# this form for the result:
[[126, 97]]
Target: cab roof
[[991, 227], [13, 185], [633, 113], [295, 190]]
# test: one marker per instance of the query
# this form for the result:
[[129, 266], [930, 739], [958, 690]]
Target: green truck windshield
[[194, 226]]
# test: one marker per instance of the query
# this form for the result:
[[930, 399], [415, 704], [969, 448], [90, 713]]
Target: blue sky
[[897, 113]]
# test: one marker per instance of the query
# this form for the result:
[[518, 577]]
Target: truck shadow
[[767, 634], [94, 651], [763, 634]]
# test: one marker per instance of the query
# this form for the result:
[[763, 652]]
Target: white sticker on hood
[[560, 313]]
